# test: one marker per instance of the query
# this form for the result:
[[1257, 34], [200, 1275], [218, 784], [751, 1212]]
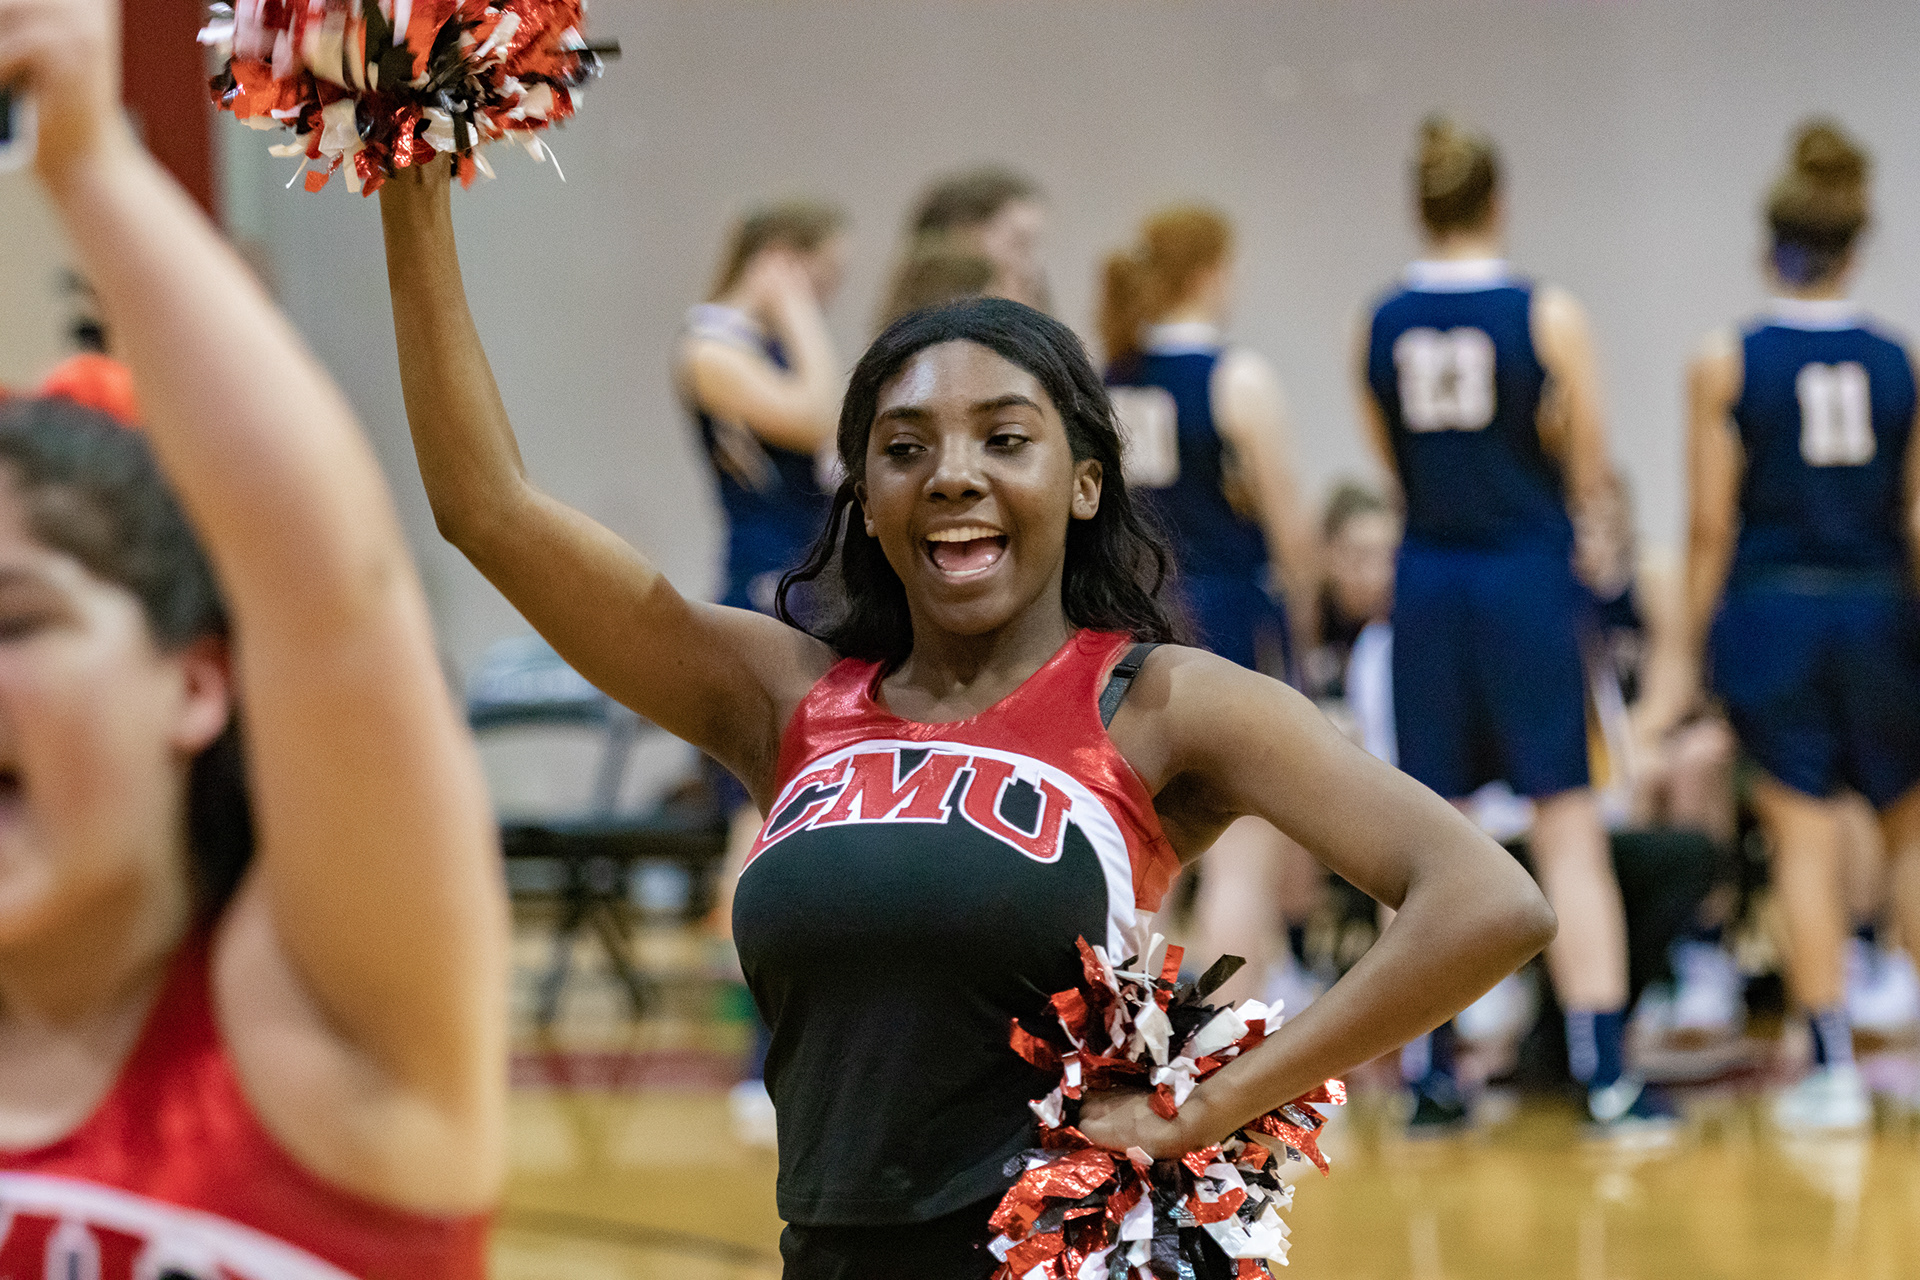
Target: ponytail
[[1141, 284], [1123, 304]]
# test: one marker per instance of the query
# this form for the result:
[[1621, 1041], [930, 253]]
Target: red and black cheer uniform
[[916, 887], [173, 1177]]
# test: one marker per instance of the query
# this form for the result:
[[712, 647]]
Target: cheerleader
[[1481, 397], [1207, 446], [253, 939], [1799, 583], [958, 781]]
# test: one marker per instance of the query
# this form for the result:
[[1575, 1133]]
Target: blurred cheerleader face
[[779, 269], [970, 483], [98, 728]]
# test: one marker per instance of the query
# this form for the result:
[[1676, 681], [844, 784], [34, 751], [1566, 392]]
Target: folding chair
[[522, 683]]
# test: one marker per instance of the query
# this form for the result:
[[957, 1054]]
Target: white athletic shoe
[[750, 1107], [1828, 1100], [1503, 1014], [1708, 991], [1883, 992]]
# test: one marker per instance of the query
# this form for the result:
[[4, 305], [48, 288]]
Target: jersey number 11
[[1836, 419]]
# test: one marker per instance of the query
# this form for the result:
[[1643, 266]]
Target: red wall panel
[[166, 90]]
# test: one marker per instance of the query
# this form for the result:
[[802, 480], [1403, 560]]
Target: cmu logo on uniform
[[1010, 798], [54, 1228]]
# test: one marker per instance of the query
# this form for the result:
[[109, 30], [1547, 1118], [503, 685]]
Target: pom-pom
[[96, 381], [372, 86], [1079, 1211]]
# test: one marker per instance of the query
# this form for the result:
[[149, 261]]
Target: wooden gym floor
[[624, 1168]]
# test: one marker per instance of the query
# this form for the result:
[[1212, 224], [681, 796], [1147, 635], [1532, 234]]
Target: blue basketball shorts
[[1823, 685], [1488, 682]]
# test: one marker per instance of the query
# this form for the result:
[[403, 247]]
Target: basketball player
[[949, 805], [756, 370], [1207, 445], [253, 937], [1481, 396], [1799, 582]]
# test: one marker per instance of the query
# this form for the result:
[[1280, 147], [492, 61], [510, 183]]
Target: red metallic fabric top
[[174, 1174]]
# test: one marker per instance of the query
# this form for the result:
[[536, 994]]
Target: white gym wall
[[1638, 138]]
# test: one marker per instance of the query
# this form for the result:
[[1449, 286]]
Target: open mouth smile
[[966, 551]]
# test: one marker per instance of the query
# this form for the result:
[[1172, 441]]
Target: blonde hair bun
[[1818, 205], [1455, 174], [1824, 156]]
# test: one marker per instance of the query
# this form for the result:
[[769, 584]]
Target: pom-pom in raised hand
[[373, 86], [1079, 1210]]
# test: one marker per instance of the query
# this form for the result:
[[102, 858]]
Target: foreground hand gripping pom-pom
[[372, 86], [1080, 1212]]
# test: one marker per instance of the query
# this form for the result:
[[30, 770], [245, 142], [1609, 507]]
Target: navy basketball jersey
[[772, 497], [1825, 411], [1176, 459], [1451, 364]]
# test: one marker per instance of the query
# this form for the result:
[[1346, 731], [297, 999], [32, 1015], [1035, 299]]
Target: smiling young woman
[[950, 804]]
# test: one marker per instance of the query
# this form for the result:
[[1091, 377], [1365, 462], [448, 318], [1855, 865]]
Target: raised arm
[[794, 408], [1223, 742], [1715, 463], [723, 679], [364, 959], [1572, 424], [1252, 414]]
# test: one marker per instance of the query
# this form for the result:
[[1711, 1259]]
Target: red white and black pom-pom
[[372, 86], [1080, 1212]]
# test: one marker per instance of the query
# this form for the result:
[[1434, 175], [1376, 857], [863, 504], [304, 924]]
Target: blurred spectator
[[993, 211], [937, 274], [1359, 532]]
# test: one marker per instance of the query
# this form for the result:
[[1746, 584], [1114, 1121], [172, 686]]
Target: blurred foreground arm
[[373, 916]]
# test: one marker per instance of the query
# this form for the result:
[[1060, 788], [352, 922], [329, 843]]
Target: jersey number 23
[[1446, 379]]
